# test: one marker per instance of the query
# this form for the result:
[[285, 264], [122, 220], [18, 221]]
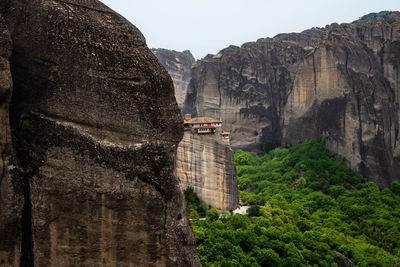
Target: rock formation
[[341, 81], [178, 65], [205, 162], [11, 195], [90, 178], [341, 260]]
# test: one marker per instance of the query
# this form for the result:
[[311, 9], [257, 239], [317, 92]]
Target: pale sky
[[207, 26]]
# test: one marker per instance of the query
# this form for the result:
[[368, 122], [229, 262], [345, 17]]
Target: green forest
[[306, 209]]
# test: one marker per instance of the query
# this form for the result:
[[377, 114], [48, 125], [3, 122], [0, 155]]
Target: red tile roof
[[200, 120], [206, 127]]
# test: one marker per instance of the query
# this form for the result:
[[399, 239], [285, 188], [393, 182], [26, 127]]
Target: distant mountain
[[178, 65], [376, 16], [341, 81]]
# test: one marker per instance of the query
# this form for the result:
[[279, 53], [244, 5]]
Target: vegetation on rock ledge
[[307, 209]]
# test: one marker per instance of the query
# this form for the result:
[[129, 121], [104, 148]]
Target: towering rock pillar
[[341, 81], [95, 128], [205, 162]]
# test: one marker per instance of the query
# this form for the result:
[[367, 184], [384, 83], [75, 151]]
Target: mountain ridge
[[341, 81]]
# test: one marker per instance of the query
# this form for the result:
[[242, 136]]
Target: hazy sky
[[207, 26]]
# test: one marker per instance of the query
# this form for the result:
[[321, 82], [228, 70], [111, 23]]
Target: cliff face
[[11, 195], [341, 81], [95, 127], [207, 165], [178, 65]]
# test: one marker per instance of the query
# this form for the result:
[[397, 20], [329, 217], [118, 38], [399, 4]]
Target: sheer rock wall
[[95, 126], [178, 65], [206, 164], [341, 81]]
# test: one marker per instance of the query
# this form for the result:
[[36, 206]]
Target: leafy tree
[[268, 146], [195, 206], [212, 214], [304, 206], [254, 211], [396, 188], [194, 215], [336, 190]]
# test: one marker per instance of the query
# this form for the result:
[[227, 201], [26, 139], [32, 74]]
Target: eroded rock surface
[[178, 65], [11, 189], [206, 164], [341, 81], [95, 127]]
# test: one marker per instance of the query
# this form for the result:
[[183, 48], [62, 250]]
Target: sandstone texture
[[89, 180], [341, 81], [178, 65], [206, 163]]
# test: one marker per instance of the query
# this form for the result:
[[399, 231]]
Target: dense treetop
[[307, 209]]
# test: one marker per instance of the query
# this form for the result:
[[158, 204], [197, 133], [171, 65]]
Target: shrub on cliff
[[195, 207], [212, 214]]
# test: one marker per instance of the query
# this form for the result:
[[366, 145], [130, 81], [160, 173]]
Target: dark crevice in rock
[[314, 75], [27, 255], [356, 92], [91, 107], [3, 156], [4, 7], [21, 160]]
